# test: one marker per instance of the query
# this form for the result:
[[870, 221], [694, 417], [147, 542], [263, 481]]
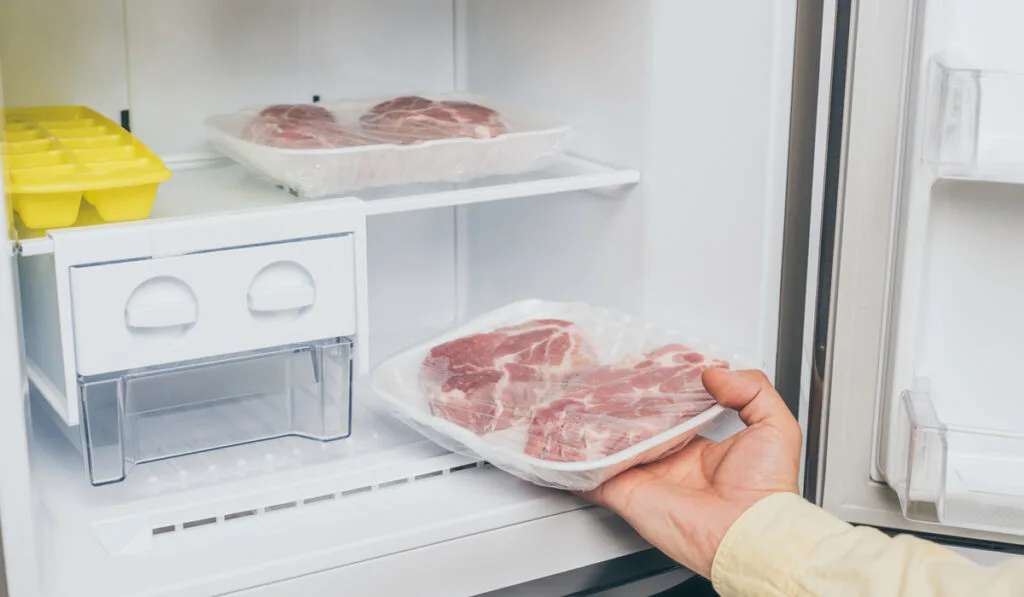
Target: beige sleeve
[[787, 546]]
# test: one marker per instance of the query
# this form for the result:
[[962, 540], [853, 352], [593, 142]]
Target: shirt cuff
[[763, 548]]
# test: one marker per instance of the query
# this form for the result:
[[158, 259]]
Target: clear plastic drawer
[[158, 413], [958, 476]]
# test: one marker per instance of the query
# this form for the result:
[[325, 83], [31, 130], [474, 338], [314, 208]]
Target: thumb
[[751, 394]]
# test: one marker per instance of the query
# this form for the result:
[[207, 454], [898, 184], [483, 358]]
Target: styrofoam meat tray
[[316, 173], [614, 336]]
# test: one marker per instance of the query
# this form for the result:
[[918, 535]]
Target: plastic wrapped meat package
[[320, 150], [562, 395]]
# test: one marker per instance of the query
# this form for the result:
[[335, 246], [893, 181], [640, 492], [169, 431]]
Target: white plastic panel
[[193, 58], [64, 52], [699, 242], [160, 311], [716, 176], [982, 32], [971, 305], [413, 250], [381, 47], [584, 66]]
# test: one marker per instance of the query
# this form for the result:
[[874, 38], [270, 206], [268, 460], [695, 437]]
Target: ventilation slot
[[198, 523], [279, 507], [465, 467], [356, 491], [327, 497]]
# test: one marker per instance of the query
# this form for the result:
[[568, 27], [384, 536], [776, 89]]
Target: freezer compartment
[[958, 476], [976, 127], [149, 312], [159, 413]]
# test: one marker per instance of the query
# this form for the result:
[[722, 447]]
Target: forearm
[[784, 546]]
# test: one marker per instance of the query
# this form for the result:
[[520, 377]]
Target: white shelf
[[217, 187], [566, 174], [234, 518]]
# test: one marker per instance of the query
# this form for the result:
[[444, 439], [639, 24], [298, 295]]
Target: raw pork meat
[[297, 134], [297, 112], [490, 382], [300, 126], [412, 119], [608, 409]]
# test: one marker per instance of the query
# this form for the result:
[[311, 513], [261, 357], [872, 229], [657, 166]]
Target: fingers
[[615, 494], [752, 395]]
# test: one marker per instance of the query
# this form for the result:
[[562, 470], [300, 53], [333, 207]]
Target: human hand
[[684, 504]]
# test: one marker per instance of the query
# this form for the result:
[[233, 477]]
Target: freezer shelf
[[206, 189], [960, 477], [975, 123]]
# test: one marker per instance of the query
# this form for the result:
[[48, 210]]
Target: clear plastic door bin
[[157, 413], [958, 476]]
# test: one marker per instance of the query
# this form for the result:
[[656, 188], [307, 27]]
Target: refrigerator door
[[915, 420]]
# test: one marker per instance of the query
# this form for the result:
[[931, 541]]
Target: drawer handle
[[161, 316], [161, 303], [285, 298]]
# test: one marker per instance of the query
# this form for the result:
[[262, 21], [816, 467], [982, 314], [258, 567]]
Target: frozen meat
[[297, 112], [411, 119], [492, 381], [607, 409]]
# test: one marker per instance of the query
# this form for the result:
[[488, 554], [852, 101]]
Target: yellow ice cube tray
[[55, 156]]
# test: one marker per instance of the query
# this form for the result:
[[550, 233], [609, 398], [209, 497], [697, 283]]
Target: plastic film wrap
[[332, 149], [562, 395]]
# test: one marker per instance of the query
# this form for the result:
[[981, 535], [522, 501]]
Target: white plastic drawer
[[158, 311]]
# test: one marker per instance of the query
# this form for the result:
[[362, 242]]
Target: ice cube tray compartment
[[54, 157]]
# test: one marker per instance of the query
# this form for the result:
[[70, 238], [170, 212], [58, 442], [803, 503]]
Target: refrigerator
[[808, 182]]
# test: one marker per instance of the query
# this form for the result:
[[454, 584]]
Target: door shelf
[[975, 127], [958, 476]]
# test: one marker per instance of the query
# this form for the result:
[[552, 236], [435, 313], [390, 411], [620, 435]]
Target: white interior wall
[[716, 174], [190, 59], [972, 322], [194, 58], [585, 62], [64, 52], [699, 243]]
